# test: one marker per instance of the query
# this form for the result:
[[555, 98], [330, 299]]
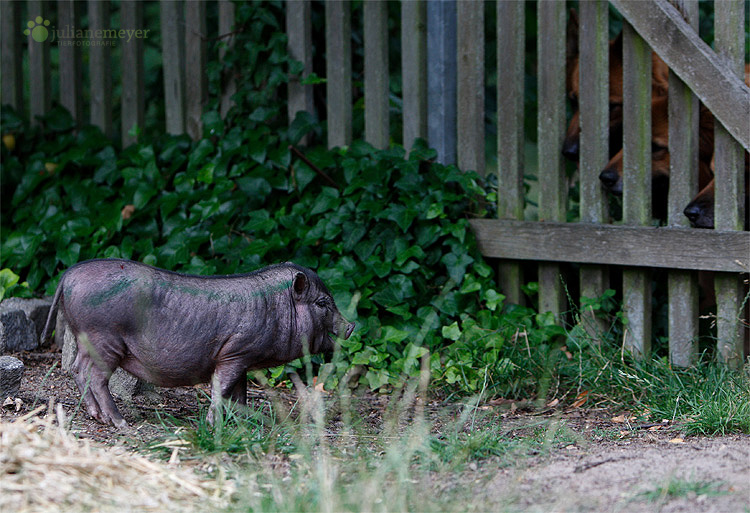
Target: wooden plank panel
[[414, 70], [376, 73], [100, 69], [683, 185], [550, 135], [196, 82], [594, 140], [710, 78], [10, 56], [441, 79], [39, 67], [510, 137], [133, 96], [633, 246], [71, 87], [470, 86], [226, 24], [339, 72], [173, 58], [299, 34], [636, 201], [729, 163]]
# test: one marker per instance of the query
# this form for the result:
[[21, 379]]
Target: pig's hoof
[[121, 424]]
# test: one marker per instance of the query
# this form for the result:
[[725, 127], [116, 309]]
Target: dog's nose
[[693, 213], [571, 149], [609, 177]]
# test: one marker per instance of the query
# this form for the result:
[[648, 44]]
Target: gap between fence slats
[[133, 93]]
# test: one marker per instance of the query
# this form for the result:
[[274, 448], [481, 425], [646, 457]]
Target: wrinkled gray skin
[[174, 329]]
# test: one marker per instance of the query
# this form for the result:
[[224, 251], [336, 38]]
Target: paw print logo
[[38, 29]]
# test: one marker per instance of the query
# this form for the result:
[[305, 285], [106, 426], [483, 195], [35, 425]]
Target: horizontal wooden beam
[[639, 246], [709, 77]]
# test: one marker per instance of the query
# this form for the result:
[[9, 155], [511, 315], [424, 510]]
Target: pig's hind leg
[[228, 382], [91, 374]]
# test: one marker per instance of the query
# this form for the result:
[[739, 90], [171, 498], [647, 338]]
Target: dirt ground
[[605, 464]]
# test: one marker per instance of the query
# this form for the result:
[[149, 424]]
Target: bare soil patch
[[602, 463]]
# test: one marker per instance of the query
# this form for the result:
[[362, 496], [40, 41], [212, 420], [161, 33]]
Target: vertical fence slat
[[376, 72], [636, 205], [683, 185], [11, 55], [339, 72], [228, 83], [100, 68], [196, 84], [414, 70], [729, 162], [594, 138], [71, 90], [510, 139], [133, 92], [39, 68], [550, 135], [441, 79], [470, 87], [173, 58], [299, 33]]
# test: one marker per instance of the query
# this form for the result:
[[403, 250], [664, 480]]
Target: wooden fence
[[443, 100]]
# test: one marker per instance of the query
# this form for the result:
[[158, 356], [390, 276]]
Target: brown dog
[[611, 176], [659, 81]]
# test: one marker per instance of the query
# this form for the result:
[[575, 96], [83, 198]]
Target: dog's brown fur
[[659, 81]]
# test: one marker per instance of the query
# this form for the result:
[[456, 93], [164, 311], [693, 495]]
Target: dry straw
[[43, 467]]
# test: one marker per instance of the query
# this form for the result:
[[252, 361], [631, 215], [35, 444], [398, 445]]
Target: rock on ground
[[36, 310], [11, 372], [17, 332]]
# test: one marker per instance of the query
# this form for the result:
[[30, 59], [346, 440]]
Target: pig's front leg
[[229, 381]]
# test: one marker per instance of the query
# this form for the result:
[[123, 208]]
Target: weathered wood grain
[[339, 72]]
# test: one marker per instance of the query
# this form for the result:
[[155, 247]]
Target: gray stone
[[11, 372], [17, 332], [35, 309], [122, 384]]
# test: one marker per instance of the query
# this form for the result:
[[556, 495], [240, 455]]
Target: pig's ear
[[300, 283]]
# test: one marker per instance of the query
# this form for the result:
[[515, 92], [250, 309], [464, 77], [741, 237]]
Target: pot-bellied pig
[[173, 329]]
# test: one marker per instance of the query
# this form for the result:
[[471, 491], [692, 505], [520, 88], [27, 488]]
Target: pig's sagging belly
[[174, 351]]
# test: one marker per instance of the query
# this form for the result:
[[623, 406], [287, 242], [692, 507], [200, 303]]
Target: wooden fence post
[[339, 72], [441, 79], [550, 135], [173, 58], [228, 83], [470, 88], [510, 137], [594, 140], [11, 28], [683, 185], [376, 73], [71, 93], [39, 66], [196, 83], [133, 93], [636, 204], [100, 68], [729, 160], [414, 70], [299, 32]]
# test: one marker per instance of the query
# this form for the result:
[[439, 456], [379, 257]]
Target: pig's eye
[[322, 303]]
